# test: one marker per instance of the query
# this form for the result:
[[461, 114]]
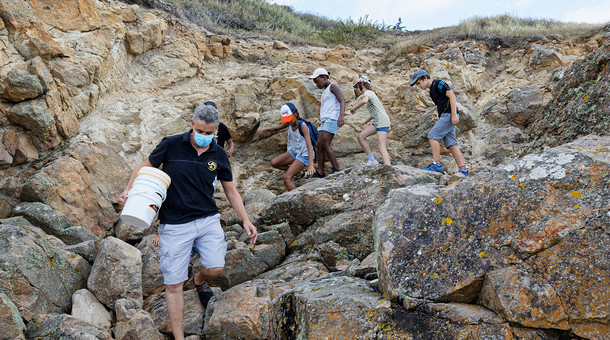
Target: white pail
[[144, 200]]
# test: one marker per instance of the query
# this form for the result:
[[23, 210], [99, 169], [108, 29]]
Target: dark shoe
[[205, 293], [299, 176], [333, 171], [317, 175]]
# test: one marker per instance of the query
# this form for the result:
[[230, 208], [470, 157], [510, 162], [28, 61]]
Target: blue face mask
[[203, 140]]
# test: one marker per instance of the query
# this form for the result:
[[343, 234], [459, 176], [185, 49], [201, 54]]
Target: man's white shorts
[[177, 240]]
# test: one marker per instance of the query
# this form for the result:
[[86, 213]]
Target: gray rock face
[[539, 219], [63, 326], [11, 324], [152, 278], [332, 307], [523, 104], [54, 223], [134, 323], [116, 272], [38, 277]]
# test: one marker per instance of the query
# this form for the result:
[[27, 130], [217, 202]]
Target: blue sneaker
[[463, 171], [434, 167]]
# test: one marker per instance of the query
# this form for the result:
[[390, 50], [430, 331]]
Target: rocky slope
[[516, 250]]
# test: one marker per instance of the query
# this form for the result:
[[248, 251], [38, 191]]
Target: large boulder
[[26, 81], [542, 213], [134, 323], [54, 223], [116, 272], [63, 326], [152, 278], [245, 311], [38, 277], [82, 184], [330, 307], [87, 308]]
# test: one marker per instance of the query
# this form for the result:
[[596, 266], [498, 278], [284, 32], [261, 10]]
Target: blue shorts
[[385, 129], [176, 242], [302, 159], [445, 130], [329, 125]]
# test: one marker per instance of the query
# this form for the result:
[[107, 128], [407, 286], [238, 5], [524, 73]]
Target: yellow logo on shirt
[[211, 165]]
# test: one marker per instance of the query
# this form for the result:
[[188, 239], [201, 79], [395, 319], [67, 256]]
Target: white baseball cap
[[287, 111], [319, 72]]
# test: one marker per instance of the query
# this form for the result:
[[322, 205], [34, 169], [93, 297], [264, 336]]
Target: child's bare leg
[[435, 146], [457, 155], [382, 138]]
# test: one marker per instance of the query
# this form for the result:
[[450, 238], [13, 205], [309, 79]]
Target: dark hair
[[211, 103], [362, 84]]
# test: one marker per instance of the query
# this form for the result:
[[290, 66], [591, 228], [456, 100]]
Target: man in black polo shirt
[[189, 215]]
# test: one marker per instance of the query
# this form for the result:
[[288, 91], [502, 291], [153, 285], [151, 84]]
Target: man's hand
[[251, 230], [123, 197]]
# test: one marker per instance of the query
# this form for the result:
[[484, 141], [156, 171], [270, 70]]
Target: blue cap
[[418, 74], [291, 106]]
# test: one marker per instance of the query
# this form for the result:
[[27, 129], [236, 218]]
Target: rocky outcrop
[[509, 238], [38, 277], [580, 104], [514, 250], [82, 184]]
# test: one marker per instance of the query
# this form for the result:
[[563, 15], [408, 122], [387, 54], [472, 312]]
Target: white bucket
[[144, 200]]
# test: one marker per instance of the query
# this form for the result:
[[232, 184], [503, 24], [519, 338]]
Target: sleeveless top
[[296, 142], [330, 107]]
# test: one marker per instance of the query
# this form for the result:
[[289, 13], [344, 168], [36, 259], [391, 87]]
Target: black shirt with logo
[[194, 178], [438, 93]]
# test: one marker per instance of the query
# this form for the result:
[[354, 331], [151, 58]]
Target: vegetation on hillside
[[260, 18], [503, 31]]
